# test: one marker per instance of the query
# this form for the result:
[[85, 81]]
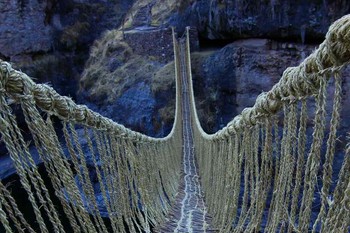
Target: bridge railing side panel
[[272, 168], [80, 171]]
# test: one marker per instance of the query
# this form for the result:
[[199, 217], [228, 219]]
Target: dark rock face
[[135, 108], [50, 39], [228, 80], [275, 19], [156, 42], [128, 87], [231, 79], [23, 28]]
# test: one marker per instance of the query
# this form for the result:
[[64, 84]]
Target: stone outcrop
[[156, 42], [227, 80], [23, 29], [50, 39], [119, 82], [275, 19], [129, 75]]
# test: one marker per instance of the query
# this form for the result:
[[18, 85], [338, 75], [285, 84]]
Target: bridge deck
[[189, 213]]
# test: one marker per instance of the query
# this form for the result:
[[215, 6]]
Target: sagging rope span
[[267, 171], [260, 173]]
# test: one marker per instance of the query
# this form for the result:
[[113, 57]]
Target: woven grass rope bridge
[[260, 173]]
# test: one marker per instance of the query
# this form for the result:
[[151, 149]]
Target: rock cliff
[[232, 67], [50, 39], [275, 19]]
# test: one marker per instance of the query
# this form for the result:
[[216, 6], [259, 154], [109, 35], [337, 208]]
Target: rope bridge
[[259, 173]]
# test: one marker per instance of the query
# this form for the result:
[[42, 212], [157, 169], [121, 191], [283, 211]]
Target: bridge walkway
[[189, 213]]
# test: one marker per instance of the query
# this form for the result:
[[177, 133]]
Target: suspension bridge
[[260, 173]]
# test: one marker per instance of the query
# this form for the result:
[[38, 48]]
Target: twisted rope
[[298, 82], [139, 175]]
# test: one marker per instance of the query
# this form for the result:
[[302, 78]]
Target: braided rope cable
[[122, 153], [245, 134], [296, 82], [287, 158], [16, 85]]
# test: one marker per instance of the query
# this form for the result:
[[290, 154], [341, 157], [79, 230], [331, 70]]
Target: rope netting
[[105, 177], [261, 172], [265, 170]]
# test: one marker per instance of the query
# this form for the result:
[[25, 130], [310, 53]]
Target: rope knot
[[248, 116], [336, 46], [5, 70]]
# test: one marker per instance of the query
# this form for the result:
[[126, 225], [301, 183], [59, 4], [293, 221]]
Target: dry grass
[[164, 79], [163, 86], [161, 10], [113, 68], [101, 55]]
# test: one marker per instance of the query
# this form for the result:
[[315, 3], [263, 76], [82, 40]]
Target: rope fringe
[[262, 172]]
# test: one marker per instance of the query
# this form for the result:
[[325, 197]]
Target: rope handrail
[[265, 170], [137, 176], [17, 85], [296, 82], [257, 174]]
